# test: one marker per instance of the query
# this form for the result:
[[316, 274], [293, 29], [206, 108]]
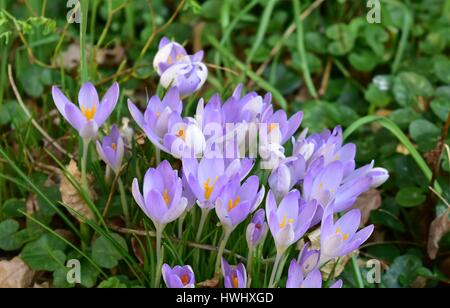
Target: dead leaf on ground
[[110, 57], [15, 274], [211, 283], [367, 202], [438, 228], [44, 285], [70, 195]]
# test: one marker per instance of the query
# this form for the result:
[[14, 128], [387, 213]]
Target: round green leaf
[[105, 254], [410, 197]]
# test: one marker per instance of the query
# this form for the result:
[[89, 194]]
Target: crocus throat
[[181, 134], [184, 279], [272, 126], [345, 236], [88, 113], [234, 280], [285, 220], [166, 197], [232, 205], [209, 188], [114, 146]]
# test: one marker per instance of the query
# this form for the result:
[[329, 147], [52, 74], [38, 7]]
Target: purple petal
[[107, 104], [88, 96]]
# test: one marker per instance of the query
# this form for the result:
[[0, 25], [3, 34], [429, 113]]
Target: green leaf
[[112, 283], [441, 108], [433, 44], [377, 97], [424, 133], [7, 229], [45, 254], [343, 39], [402, 272], [410, 197], [408, 86], [364, 61], [105, 254], [441, 68], [403, 117], [11, 208]]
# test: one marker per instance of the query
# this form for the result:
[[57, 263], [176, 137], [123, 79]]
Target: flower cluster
[[218, 148]]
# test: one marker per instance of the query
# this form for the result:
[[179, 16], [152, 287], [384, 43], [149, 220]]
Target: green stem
[[302, 50], [275, 269], [180, 225], [84, 182], [157, 280], [123, 201], [83, 29], [205, 212], [157, 155], [223, 243], [357, 273], [251, 250]]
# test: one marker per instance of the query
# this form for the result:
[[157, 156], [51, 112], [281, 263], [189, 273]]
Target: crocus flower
[[155, 120], [184, 138], [111, 149], [256, 229], [205, 178], [178, 277], [91, 113], [340, 238], [234, 277], [308, 259], [278, 125], [179, 69], [313, 280], [162, 199], [289, 221], [169, 53], [236, 202], [286, 175]]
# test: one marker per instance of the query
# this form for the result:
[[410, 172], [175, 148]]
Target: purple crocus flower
[[178, 277], [278, 126], [91, 113], [206, 179], [236, 202], [289, 221], [169, 53], [155, 120], [162, 200], [234, 277], [111, 149], [286, 175], [313, 280], [340, 238], [308, 259], [256, 229], [184, 138], [179, 69]]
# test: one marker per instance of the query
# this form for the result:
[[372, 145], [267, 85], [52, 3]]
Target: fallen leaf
[[70, 195], [110, 57], [211, 283], [438, 228], [15, 274], [44, 285], [367, 202]]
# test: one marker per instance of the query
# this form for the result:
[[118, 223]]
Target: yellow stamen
[[181, 134], [285, 220], [178, 57], [338, 230], [170, 60], [114, 146], [88, 113], [345, 236], [166, 197], [320, 186], [232, 205], [209, 188], [158, 114], [272, 126], [184, 279], [234, 280]]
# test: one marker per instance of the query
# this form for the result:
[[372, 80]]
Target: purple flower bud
[[256, 229], [91, 113], [111, 149], [169, 53], [162, 200], [234, 277], [286, 175], [178, 277]]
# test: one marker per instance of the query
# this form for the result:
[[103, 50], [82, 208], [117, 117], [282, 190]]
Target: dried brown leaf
[[367, 202], [110, 57], [70, 195], [438, 228], [15, 274], [211, 283]]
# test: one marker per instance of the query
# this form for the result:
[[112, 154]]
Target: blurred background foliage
[[348, 69]]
